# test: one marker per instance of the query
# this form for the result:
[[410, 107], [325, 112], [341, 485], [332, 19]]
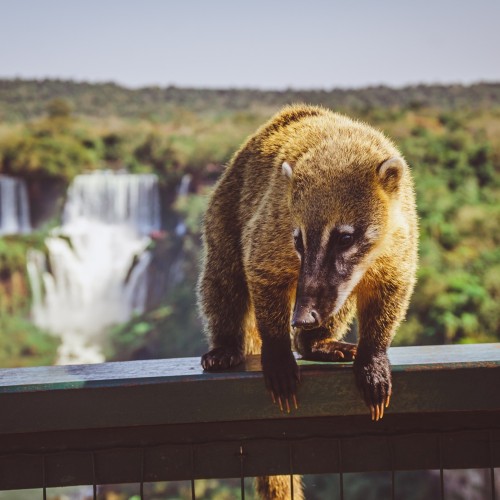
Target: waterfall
[[14, 207], [115, 199], [95, 275], [183, 190]]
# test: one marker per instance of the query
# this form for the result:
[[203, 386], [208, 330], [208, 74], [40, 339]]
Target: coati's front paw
[[373, 378], [332, 350], [221, 358], [281, 375]]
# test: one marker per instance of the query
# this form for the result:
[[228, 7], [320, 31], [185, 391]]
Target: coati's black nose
[[305, 317]]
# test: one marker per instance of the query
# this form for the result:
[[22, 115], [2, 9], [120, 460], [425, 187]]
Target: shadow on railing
[[165, 420]]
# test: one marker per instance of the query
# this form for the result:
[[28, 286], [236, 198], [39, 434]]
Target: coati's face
[[337, 234], [332, 262]]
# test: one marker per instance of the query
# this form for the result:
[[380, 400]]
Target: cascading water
[[14, 207], [96, 274], [183, 190]]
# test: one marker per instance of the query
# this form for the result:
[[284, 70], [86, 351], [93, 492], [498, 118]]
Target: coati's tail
[[279, 488]]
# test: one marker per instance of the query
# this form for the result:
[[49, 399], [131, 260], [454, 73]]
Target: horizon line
[[248, 88]]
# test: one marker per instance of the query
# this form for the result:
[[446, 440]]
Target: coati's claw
[[377, 412], [373, 378], [294, 397], [388, 400], [221, 358], [281, 376]]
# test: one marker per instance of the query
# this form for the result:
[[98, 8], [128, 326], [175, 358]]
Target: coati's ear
[[286, 170], [390, 173]]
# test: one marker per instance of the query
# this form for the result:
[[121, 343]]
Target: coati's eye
[[297, 240], [345, 240]]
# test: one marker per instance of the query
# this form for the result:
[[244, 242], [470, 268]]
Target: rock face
[[96, 271]]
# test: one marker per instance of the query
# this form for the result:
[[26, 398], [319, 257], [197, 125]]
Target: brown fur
[[254, 278]]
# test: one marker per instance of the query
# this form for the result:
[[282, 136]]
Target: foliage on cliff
[[21, 342], [60, 145]]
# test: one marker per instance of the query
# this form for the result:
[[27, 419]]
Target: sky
[[268, 44]]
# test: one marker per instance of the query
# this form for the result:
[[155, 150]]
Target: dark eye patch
[[340, 241], [345, 240]]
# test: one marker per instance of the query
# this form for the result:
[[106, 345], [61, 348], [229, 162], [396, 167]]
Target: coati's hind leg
[[322, 344], [279, 488]]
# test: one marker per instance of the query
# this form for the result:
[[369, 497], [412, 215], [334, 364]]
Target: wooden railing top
[[42, 378], [153, 392]]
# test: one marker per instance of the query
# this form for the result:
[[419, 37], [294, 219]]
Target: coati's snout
[[313, 303], [305, 315]]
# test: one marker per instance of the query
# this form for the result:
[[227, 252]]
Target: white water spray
[[96, 274], [183, 190], [14, 207]]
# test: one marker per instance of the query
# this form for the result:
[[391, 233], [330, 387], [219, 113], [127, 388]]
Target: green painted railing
[[156, 420]]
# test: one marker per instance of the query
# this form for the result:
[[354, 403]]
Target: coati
[[313, 221]]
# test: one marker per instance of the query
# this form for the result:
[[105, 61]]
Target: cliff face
[[14, 291], [46, 196]]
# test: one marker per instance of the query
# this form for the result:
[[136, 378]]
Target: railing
[[161, 420]]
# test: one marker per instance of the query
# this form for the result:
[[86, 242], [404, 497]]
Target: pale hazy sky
[[253, 43]]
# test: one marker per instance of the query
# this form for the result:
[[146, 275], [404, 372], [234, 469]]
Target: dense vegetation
[[52, 130], [26, 99]]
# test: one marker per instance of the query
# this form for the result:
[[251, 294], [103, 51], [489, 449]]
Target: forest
[[51, 131]]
